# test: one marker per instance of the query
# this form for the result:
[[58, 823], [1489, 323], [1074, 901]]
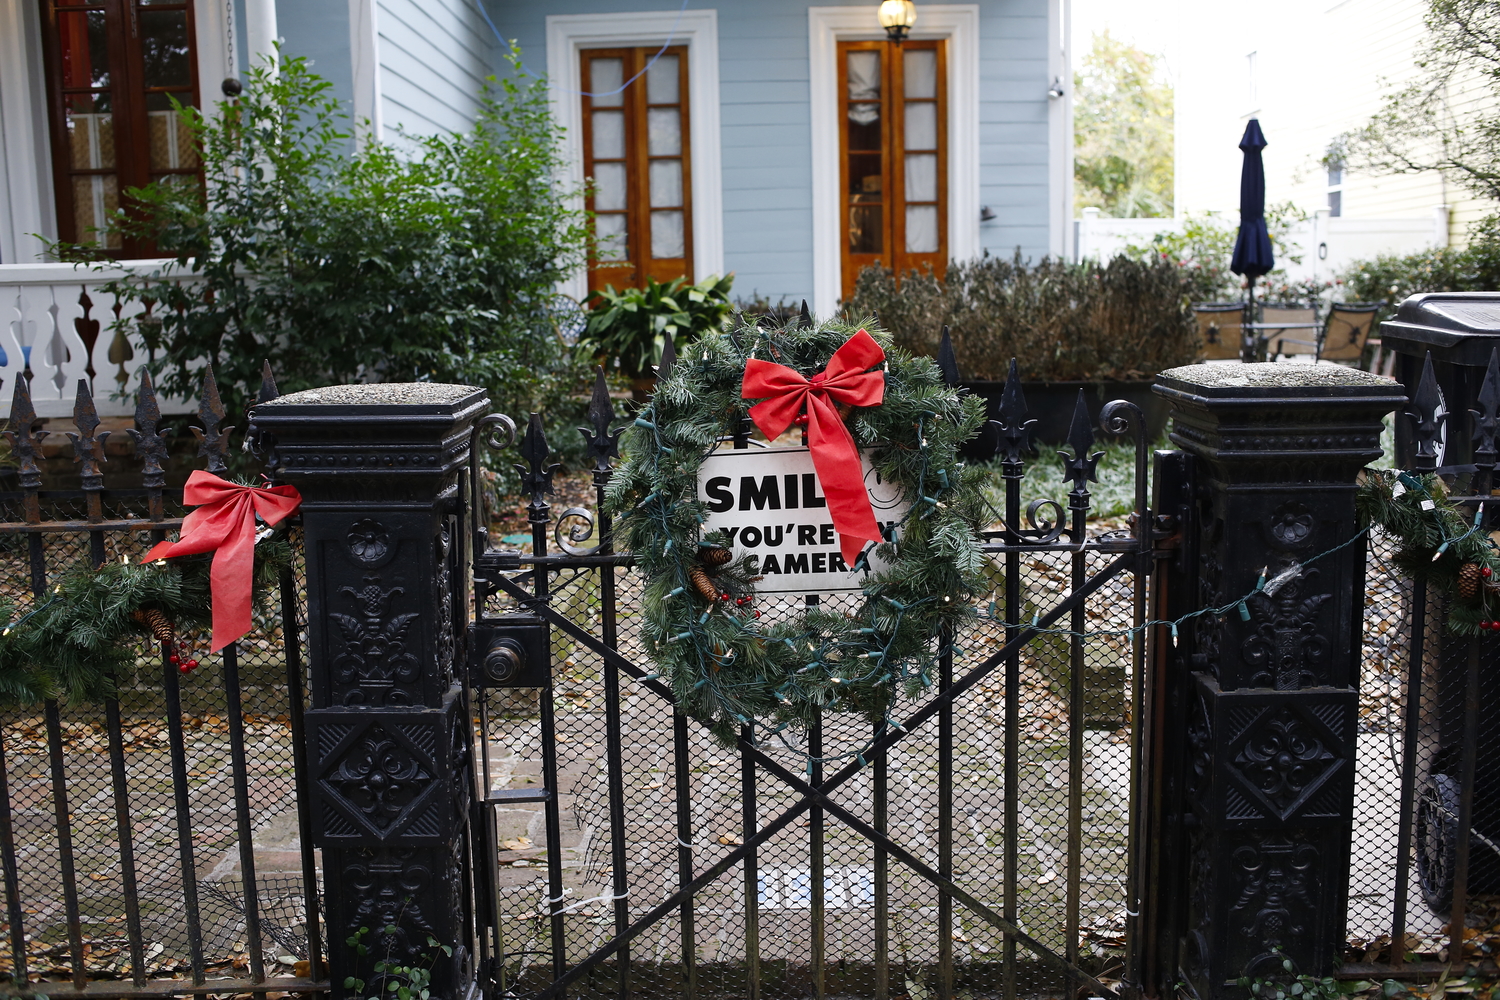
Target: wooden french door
[[113, 68], [893, 155], [636, 156]]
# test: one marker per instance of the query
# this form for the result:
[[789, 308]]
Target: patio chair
[[1346, 333], [1290, 342], [1220, 325]]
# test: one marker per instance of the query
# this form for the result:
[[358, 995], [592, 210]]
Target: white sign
[[769, 504]]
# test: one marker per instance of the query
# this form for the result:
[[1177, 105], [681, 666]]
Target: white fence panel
[[58, 320]]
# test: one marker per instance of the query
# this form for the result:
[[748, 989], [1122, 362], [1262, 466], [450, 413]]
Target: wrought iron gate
[[981, 844]]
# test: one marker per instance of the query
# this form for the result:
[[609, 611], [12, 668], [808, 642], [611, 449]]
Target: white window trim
[[568, 34], [26, 197], [364, 54], [26, 205], [827, 26]]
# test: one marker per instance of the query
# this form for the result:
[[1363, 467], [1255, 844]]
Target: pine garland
[[89, 629], [727, 666], [1439, 541]]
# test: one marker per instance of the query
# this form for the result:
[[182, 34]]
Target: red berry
[[184, 668], [757, 614], [723, 597], [174, 659], [1486, 572], [1486, 625], [191, 664]]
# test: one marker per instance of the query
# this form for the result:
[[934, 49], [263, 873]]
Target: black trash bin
[[1459, 330]]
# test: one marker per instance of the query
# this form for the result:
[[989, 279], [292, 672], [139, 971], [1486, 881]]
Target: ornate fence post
[[1266, 692], [382, 470]]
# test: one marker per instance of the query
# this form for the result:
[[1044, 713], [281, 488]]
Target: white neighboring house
[[1309, 72]]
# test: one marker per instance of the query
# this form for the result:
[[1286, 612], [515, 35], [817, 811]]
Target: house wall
[[766, 130], [1320, 70], [433, 57]]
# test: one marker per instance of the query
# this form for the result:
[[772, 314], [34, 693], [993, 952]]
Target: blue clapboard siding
[[763, 81], [434, 56]]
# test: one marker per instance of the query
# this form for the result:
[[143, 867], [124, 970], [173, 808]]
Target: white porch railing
[[56, 319]]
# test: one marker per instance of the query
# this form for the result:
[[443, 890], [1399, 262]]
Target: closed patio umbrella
[[1252, 248]]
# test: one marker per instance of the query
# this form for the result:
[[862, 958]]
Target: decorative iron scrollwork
[[1285, 644], [580, 532], [375, 656], [487, 427]]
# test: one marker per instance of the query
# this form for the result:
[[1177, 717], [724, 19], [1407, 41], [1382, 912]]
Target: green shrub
[[631, 327], [1128, 319], [435, 259], [1390, 278], [1204, 245]]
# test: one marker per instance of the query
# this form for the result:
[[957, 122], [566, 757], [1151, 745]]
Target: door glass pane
[[172, 146], [864, 75], [921, 126], [921, 229], [662, 81], [605, 78], [666, 183], [666, 235], [921, 177], [864, 99], [864, 177], [920, 72], [164, 48], [865, 229], [91, 132], [609, 187], [95, 199], [611, 231], [85, 52], [664, 132], [609, 135]]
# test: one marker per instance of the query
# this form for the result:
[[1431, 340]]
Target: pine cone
[[714, 555], [157, 622], [703, 584]]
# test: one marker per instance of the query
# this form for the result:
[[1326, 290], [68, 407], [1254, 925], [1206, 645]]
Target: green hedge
[[1128, 319], [1392, 277]]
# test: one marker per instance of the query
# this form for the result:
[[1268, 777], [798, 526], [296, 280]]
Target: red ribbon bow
[[789, 398], [224, 524]]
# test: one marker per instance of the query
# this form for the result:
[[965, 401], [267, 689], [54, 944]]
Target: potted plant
[[630, 327], [1104, 328]]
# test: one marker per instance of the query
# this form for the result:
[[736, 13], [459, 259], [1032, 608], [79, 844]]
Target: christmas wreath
[[1439, 541], [728, 664], [77, 639]]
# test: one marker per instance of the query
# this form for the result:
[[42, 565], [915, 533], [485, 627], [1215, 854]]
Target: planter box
[[1051, 406]]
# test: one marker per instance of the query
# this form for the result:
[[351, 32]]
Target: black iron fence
[[165, 839], [152, 842]]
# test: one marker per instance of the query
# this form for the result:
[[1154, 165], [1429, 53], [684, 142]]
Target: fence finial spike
[[1013, 427], [536, 475], [1429, 417], [947, 360], [268, 390], [150, 443], [24, 435], [668, 356], [213, 436], [1080, 468], [88, 447], [601, 444], [805, 320]]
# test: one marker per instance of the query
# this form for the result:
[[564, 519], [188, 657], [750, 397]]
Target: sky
[[1150, 25]]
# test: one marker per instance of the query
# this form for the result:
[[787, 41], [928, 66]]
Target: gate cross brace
[[915, 864], [734, 857]]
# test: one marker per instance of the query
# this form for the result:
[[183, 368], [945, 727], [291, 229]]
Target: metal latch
[[509, 651]]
